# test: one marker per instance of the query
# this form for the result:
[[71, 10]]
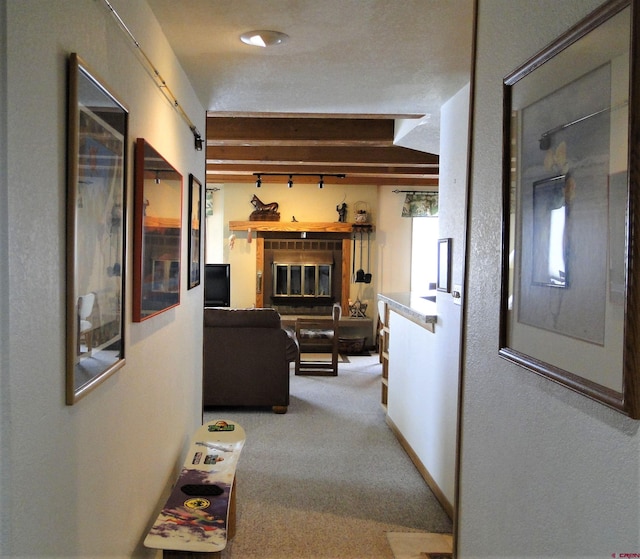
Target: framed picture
[[157, 233], [569, 287], [96, 224], [443, 282], [195, 228]]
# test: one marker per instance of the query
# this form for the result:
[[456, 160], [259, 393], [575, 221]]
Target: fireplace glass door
[[302, 280]]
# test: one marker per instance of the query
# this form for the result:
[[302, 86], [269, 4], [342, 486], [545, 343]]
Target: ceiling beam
[[238, 131], [378, 180], [408, 170], [360, 146], [303, 155]]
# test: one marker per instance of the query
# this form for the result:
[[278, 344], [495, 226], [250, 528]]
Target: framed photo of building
[[569, 287]]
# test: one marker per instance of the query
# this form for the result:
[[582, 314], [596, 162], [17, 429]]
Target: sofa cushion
[[241, 318]]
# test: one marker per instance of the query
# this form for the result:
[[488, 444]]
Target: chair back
[[85, 305]]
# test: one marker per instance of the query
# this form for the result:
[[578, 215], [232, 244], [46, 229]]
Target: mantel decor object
[[264, 212], [571, 203], [361, 214]]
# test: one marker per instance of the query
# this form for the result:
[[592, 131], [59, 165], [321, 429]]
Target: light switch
[[456, 293]]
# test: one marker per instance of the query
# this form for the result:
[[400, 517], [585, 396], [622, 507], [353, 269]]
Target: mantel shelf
[[296, 226]]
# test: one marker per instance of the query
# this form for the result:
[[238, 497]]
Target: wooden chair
[[318, 335]]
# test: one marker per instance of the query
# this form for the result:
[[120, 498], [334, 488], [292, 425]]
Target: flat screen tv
[[217, 285]]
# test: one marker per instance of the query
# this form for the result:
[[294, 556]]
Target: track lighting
[[291, 175]]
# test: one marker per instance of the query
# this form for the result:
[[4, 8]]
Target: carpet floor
[[328, 479]]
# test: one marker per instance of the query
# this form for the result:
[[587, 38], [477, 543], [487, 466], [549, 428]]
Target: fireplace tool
[[367, 276], [360, 275]]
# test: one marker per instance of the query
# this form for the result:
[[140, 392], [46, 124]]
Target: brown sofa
[[246, 358]]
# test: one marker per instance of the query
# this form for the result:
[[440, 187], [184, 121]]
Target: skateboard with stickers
[[199, 515]]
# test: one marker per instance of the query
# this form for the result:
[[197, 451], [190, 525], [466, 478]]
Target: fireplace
[[302, 275]]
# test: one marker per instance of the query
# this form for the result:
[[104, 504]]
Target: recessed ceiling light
[[264, 38]]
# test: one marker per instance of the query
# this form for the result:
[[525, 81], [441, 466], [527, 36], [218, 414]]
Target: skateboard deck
[[196, 515]]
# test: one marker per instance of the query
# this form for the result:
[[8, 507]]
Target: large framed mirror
[[96, 217], [157, 233]]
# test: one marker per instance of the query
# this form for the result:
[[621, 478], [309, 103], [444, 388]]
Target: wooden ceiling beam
[[239, 145], [433, 182], [238, 131], [240, 168], [326, 155]]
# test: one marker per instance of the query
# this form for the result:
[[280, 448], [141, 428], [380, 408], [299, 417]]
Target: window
[[424, 253]]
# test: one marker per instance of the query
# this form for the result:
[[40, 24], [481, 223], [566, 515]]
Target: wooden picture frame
[[194, 270], [443, 281], [569, 286], [157, 234], [96, 225]]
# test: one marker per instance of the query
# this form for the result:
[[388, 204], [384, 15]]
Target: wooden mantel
[[298, 226]]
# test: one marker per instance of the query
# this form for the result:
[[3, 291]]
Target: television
[[217, 285]]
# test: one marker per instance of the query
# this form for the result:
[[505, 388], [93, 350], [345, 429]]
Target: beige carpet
[[327, 480]]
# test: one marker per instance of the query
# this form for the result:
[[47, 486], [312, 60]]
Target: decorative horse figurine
[[262, 207]]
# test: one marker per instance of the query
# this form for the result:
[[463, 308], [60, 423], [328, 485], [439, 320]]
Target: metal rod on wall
[[414, 191], [162, 84]]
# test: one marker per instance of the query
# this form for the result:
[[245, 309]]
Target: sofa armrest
[[292, 347]]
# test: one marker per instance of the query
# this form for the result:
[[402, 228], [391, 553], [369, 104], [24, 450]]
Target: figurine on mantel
[[342, 212], [264, 212]]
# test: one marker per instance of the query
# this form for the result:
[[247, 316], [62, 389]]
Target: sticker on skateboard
[[196, 514]]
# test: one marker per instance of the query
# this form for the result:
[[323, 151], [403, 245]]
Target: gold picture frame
[[96, 225]]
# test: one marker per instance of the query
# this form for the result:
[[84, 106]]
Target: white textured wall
[[85, 480], [545, 472], [424, 366], [4, 278], [393, 236]]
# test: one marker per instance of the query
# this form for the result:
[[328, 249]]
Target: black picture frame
[[569, 298], [194, 270], [96, 226]]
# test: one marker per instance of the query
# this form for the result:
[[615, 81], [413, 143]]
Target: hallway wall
[[85, 480], [545, 472]]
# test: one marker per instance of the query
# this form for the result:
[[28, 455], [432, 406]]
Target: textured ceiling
[[344, 57]]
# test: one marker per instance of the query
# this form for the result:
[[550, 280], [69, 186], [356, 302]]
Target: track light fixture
[[291, 175]]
